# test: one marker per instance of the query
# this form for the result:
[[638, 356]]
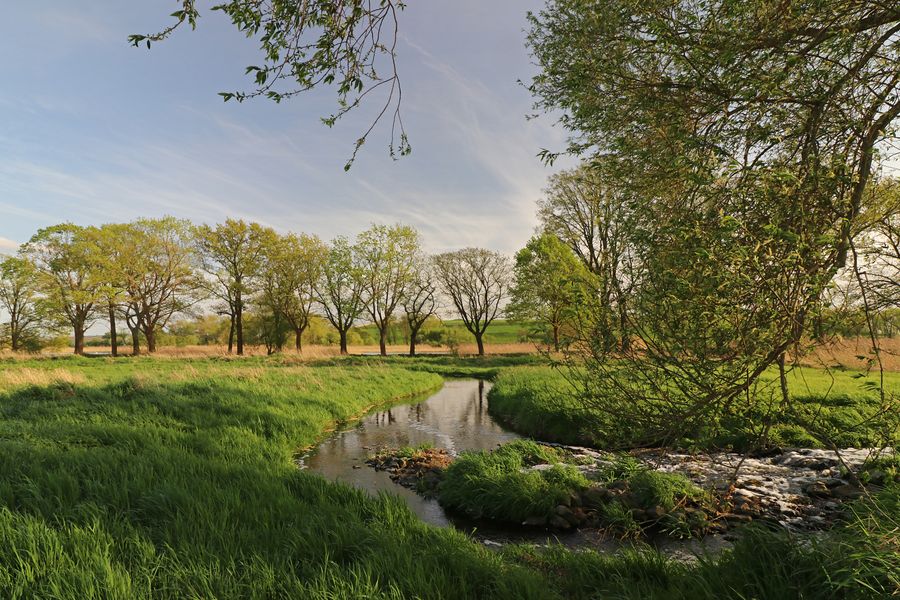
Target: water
[[455, 418]]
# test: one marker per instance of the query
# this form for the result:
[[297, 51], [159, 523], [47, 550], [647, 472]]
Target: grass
[[837, 405], [497, 484], [160, 479], [154, 478]]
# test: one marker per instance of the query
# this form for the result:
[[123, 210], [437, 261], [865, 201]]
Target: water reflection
[[454, 418]]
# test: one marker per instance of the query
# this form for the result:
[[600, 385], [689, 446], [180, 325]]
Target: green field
[[161, 478], [541, 402]]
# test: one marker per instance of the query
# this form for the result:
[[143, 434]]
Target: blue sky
[[93, 130]]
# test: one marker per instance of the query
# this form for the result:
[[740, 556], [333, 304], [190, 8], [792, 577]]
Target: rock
[[877, 476], [818, 489], [847, 492], [574, 499], [656, 513], [595, 496], [735, 519], [535, 521], [558, 522]]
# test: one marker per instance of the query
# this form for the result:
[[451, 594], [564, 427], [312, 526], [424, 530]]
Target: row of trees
[[145, 272]]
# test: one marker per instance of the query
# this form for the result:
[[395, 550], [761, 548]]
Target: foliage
[[839, 407], [744, 137], [19, 298], [232, 255], [477, 282], [386, 258], [345, 45], [548, 288]]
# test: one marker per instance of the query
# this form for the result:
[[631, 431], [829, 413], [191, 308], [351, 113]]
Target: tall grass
[[540, 402]]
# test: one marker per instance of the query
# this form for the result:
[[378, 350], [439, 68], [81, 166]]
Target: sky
[[93, 130]]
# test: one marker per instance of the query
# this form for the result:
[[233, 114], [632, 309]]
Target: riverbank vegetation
[[838, 406], [176, 478]]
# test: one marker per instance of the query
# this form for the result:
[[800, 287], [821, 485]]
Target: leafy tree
[[549, 285], [349, 45], [67, 263], [420, 300], [114, 257], [588, 209], [746, 134], [18, 298], [477, 282], [160, 281], [232, 255], [340, 290], [293, 267], [386, 257]]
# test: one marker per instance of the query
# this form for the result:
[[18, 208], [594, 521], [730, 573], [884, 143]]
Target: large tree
[[340, 289], [477, 282], [588, 209], [18, 298], [293, 268], [550, 283], [386, 256], [420, 302], [160, 279], [746, 134], [232, 254], [67, 262]]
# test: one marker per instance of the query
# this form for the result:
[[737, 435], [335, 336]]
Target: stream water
[[455, 418]]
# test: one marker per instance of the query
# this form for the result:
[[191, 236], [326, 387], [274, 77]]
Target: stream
[[455, 418]]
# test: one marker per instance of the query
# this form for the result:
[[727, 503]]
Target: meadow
[[176, 478], [541, 402]]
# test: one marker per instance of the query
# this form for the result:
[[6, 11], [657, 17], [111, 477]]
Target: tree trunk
[[150, 334], [231, 335], [382, 339], [79, 339], [298, 339], [113, 335], [343, 334], [135, 341], [556, 337], [239, 323], [480, 342], [413, 334]]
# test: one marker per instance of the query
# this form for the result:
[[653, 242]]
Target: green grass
[[838, 406], [154, 478], [496, 484]]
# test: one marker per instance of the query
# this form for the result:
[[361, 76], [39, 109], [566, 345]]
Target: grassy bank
[[540, 402], [154, 478]]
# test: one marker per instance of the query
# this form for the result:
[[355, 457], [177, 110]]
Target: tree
[[340, 289], [18, 297], [548, 286], [293, 267], [477, 281], [232, 256], [420, 300], [386, 258], [587, 210], [160, 280], [746, 133], [349, 45], [113, 257], [67, 264]]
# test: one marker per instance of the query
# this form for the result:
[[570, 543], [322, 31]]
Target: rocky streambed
[[799, 489]]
